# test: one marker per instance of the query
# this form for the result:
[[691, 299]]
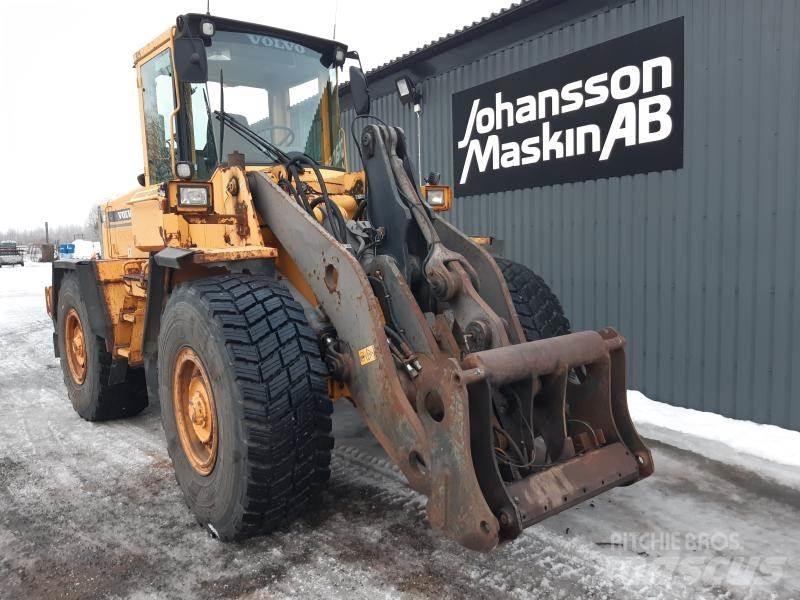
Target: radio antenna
[[208, 7], [335, 15]]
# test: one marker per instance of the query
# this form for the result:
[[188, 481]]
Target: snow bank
[[766, 442], [22, 296]]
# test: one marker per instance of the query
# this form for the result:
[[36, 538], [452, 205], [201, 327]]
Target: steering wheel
[[288, 136]]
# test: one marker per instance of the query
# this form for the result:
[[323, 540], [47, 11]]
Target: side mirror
[[190, 60], [359, 91], [140, 179]]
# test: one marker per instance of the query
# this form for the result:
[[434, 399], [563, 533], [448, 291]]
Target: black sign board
[[115, 216], [612, 109]]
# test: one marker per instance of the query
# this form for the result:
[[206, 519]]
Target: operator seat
[[233, 141]]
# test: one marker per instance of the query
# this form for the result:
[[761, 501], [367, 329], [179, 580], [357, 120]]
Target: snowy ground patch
[[770, 450], [92, 510]]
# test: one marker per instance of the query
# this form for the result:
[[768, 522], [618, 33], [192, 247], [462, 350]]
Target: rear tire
[[271, 430], [86, 380], [539, 311]]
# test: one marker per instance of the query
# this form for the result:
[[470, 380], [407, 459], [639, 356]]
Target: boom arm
[[425, 336]]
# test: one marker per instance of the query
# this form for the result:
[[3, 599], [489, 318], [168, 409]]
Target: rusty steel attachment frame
[[612, 455], [439, 429]]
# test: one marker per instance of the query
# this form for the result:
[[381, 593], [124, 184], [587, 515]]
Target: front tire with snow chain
[[244, 403]]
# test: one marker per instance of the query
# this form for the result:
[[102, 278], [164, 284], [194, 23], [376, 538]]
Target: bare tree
[[93, 222], [59, 234]]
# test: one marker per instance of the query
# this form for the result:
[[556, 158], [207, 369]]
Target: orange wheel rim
[[195, 411], [75, 346]]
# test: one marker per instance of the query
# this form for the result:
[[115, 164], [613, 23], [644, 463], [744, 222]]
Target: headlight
[[192, 196], [439, 197], [339, 57], [436, 197]]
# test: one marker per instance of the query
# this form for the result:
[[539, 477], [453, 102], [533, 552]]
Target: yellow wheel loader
[[253, 279]]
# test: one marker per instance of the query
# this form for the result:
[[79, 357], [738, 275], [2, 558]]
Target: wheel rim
[[195, 411], [75, 346]]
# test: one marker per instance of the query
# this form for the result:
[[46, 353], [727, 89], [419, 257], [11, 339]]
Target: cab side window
[[158, 95]]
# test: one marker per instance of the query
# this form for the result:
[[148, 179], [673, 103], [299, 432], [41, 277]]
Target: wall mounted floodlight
[[407, 91], [409, 94], [404, 89]]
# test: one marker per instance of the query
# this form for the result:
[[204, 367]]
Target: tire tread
[[539, 310], [111, 401], [278, 369]]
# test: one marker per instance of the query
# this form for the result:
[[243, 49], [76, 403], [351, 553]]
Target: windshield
[[277, 88]]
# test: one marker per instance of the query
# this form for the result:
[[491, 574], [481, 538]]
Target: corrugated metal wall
[[699, 268]]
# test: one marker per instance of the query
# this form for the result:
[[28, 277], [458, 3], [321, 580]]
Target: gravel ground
[[93, 510]]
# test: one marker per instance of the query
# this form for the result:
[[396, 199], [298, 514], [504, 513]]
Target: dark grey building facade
[[643, 157]]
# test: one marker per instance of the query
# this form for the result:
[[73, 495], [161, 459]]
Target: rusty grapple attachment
[[418, 322]]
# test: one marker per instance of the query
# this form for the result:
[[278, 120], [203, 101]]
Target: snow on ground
[[771, 451], [92, 510], [23, 294], [763, 441]]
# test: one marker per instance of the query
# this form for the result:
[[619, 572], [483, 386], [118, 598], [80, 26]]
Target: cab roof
[[189, 25]]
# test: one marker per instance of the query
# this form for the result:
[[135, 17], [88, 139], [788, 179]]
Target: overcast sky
[[70, 135]]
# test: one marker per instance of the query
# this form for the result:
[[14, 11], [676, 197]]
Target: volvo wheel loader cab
[[254, 278]]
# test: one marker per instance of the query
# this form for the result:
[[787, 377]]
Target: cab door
[[158, 110]]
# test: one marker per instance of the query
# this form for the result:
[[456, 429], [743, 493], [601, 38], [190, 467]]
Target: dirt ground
[[93, 511]]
